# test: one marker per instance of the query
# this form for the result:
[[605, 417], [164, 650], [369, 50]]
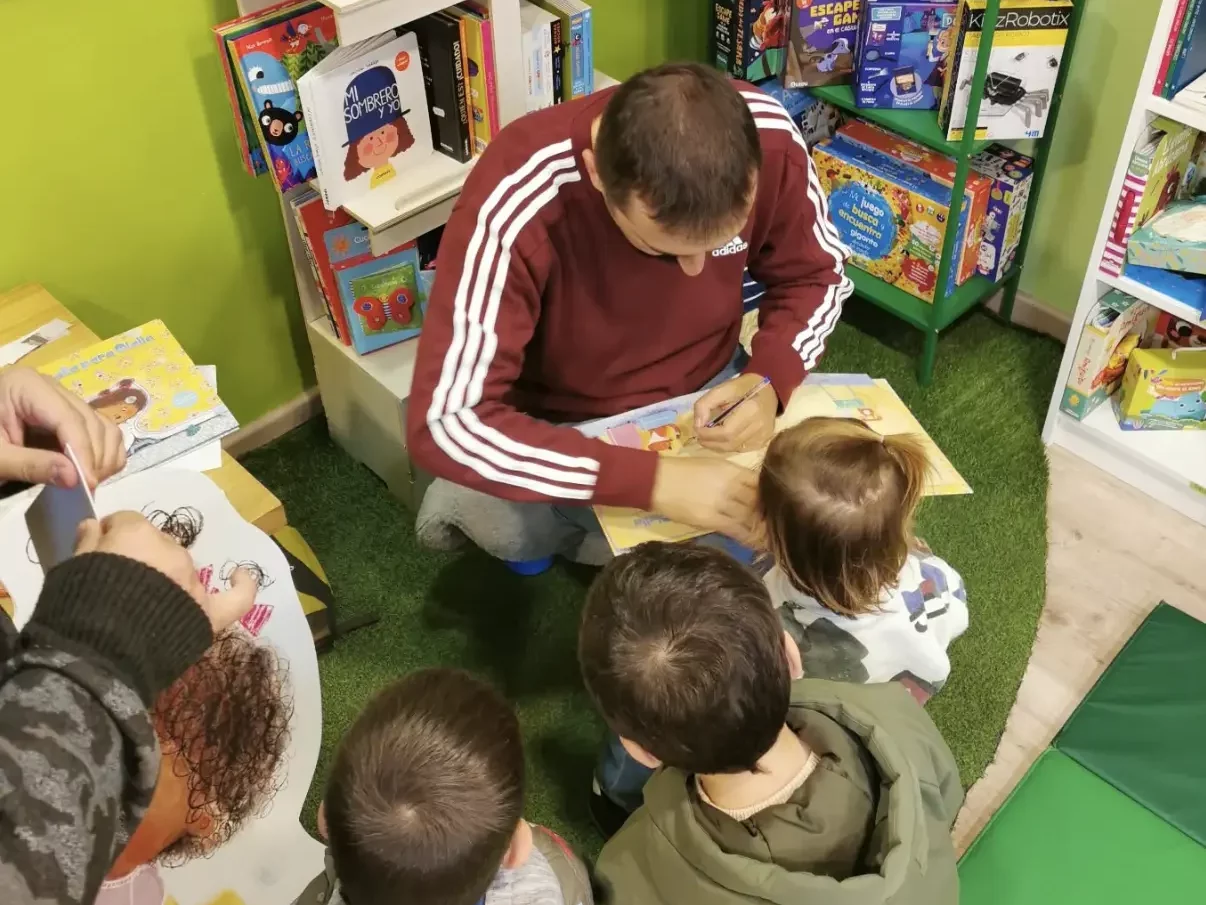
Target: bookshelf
[[923, 128], [364, 396], [1169, 466]]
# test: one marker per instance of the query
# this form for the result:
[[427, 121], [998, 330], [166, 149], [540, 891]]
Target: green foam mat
[[1066, 837], [1143, 726]]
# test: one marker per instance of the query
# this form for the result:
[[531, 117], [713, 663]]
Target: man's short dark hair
[[426, 792], [683, 653], [680, 139]]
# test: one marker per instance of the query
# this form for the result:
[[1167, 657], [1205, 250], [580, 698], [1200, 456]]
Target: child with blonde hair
[[865, 599]]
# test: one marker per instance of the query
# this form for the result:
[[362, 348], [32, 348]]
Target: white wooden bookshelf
[[1169, 466], [364, 396]]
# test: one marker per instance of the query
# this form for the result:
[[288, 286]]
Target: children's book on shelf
[[143, 382], [902, 53], [668, 429], [270, 60], [577, 35], [820, 42], [536, 32], [1114, 328], [1172, 45], [245, 126], [1154, 174], [1189, 61], [445, 76], [314, 222], [1173, 333], [1023, 67], [750, 36], [1163, 389], [367, 108], [483, 88]]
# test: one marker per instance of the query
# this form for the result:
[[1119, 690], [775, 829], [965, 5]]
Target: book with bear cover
[[270, 62], [366, 106]]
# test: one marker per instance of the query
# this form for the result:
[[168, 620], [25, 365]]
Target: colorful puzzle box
[[1011, 174], [749, 36], [1114, 328], [815, 119], [901, 54], [1164, 389], [892, 216], [942, 169], [820, 47]]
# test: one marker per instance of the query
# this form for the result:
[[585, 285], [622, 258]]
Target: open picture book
[[668, 428]]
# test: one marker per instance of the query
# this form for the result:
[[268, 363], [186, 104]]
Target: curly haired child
[[865, 600]]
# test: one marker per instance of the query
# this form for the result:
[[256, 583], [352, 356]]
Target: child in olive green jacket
[[766, 790]]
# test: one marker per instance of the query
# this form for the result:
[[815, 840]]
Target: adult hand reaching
[[38, 418], [130, 535], [712, 494], [748, 427]]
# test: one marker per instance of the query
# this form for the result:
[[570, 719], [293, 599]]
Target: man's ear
[[520, 848], [592, 171], [795, 663], [639, 754]]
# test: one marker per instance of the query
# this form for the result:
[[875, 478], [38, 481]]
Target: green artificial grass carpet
[[984, 410]]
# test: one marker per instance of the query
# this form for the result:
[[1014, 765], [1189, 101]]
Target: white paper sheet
[[272, 858], [11, 353]]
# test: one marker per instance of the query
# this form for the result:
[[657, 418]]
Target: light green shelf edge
[[919, 125], [921, 314]]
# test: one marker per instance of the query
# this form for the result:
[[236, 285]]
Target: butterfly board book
[[269, 62], [384, 298], [366, 105], [668, 429], [245, 125], [143, 382]]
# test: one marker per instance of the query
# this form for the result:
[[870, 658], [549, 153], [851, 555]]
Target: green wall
[[1106, 64], [124, 193], [126, 198]]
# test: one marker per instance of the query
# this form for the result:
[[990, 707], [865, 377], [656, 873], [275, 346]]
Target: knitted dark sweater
[[78, 754]]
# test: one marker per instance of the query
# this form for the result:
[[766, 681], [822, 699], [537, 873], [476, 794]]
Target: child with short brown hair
[[863, 597], [425, 805]]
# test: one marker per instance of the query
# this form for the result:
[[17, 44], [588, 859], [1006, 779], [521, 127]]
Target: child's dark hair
[[682, 652], [838, 501], [680, 139], [226, 720], [426, 792]]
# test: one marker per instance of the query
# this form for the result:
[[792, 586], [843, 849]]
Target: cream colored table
[[30, 306]]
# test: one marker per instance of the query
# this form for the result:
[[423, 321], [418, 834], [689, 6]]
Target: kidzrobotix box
[[1027, 50], [1011, 174], [902, 52], [1164, 389], [1114, 327], [892, 216], [942, 169]]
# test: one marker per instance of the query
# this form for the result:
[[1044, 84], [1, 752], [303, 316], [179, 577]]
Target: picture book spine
[[301, 228], [307, 95], [440, 55], [558, 61], [236, 106], [491, 81], [1185, 47], [588, 49], [577, 56], [724, 34], [479, 107], [547, 76], [466, 90], [953, 73], [1170, 47]]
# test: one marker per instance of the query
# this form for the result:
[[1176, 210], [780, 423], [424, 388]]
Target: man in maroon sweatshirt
[[593, 264]]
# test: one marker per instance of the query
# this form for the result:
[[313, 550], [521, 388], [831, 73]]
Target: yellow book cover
[[145, 383], [668, 429], [475, 62]]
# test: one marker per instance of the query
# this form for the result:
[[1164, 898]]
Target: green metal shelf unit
[[922, 126]]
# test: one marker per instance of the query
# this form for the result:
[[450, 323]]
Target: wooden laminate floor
[[1114, 554]]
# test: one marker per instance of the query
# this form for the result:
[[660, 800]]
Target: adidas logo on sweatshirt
[[736, 245]]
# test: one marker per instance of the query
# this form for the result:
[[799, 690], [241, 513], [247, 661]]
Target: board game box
[[901, 54], [749, 37], [1011, 174], [820, 47]]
